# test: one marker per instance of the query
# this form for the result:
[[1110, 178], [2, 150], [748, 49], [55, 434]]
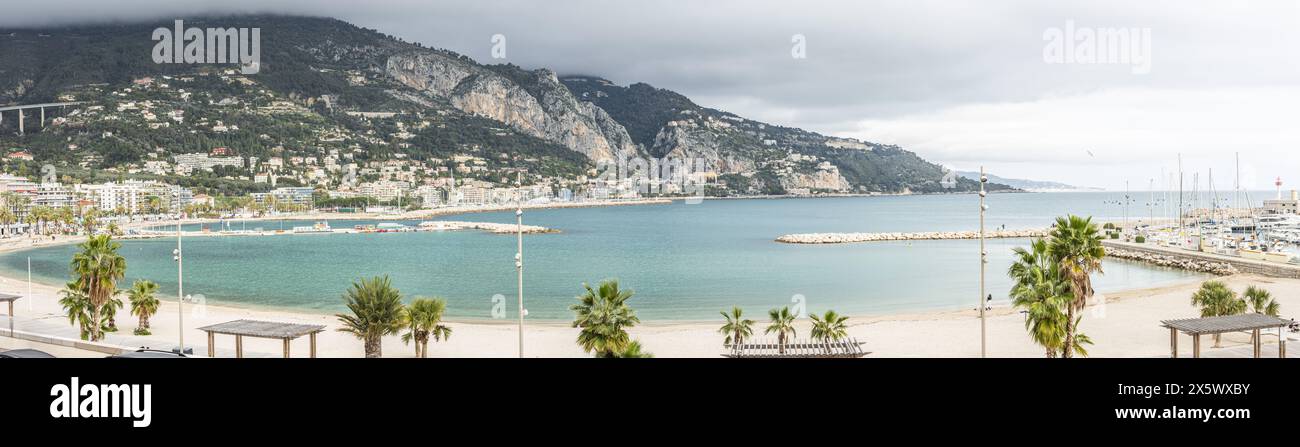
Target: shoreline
[[908, 334], [7, 276], [20, 244], [406, 215], [903, 334], [1124, 323]]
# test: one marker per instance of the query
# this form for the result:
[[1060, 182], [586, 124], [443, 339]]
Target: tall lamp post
[[984, 260], [178, 256], [519, 255]]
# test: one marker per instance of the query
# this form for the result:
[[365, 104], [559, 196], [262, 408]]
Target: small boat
[[1251, 253], [391, 227], [319, 227], [433, 225], [1277, 256]]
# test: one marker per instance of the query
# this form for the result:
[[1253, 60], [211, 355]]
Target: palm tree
[[1076, 245], [111, 307], [65, 218], [7, 217], [88, 219], [154, 204], [782, 322], [633, 350], [829, 328], [1043, 293], [30, 220], [97, 268], [1216, 299], [736, 328], [76, 304], [1262, 302], [15, 203], [40, 217], [423, 319], [144, 303], [376, 311], [604, 316]]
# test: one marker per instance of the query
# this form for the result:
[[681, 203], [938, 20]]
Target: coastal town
[[321, 167], [986, 220]]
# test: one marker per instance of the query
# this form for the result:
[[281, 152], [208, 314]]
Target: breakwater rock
[[494, 228], [1179, 262], [845, 238]]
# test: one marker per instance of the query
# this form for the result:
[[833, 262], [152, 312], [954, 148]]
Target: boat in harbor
[[432, 225], [319, 227], [1277, 256], [391, 227], [1278, 222]]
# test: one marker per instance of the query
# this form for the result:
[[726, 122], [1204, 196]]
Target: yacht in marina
[[1277, 221]]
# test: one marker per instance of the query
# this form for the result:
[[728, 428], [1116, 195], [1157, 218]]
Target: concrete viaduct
[[42, 107]]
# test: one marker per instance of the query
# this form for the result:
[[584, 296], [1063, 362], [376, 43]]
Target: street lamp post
[[984, 260], [519, 256], [178, 256]]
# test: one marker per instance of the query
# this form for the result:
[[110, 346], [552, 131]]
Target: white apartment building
[[383, 190], [199, 160], [432, 195], [472, 195], [297, 195], [114, 196], [53, 195], [132, 196]]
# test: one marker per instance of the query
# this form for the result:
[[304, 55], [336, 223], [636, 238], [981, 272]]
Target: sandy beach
[[1123, 324]]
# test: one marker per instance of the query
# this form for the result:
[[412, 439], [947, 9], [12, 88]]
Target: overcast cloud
[[962, 83]]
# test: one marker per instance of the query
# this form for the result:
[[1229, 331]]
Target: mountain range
[[325, 85], [1027, 185]]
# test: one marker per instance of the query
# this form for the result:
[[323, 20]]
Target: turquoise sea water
[[685, 262]]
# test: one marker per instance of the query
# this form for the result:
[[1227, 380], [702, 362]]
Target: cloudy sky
[[961, 83]]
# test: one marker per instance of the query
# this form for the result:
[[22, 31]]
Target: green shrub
[[1140, 239]]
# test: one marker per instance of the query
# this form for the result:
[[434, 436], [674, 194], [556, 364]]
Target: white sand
[[1126, 325]]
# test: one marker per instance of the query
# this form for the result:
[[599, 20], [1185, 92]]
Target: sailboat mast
[[1151, 200], [1180, 192], [1236, 185]]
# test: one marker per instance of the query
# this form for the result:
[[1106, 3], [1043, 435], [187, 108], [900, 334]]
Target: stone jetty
[[846, 238], [1199, 260], [1178, 262], [495, 228]]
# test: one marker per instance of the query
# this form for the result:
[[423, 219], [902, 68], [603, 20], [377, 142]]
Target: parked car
[[145, 353], [25, 354]]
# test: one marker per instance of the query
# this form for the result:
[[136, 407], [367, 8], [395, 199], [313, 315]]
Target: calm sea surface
[[685, 262]]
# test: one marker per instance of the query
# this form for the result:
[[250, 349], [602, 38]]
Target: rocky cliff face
[[824, 178], [546, 109], [727, 149], [687, 141]]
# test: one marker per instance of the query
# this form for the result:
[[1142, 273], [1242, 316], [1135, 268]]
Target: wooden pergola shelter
[[10, 298], [1252, 322], [844, 349], [261, 329]]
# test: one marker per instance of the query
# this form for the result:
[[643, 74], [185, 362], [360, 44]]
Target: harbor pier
[[847, 238], [1199, 260]]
